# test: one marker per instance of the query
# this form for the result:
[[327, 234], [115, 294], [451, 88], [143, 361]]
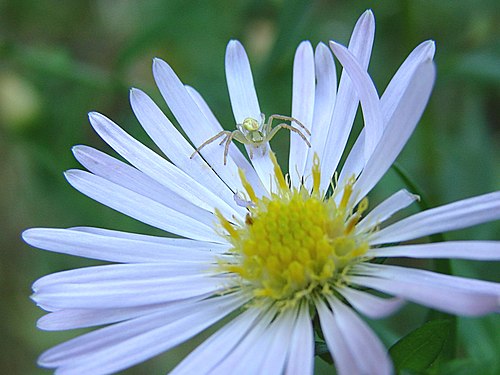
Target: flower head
[[279, 249]]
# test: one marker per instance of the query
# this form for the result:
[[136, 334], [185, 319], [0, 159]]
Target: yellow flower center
[[294, 243]]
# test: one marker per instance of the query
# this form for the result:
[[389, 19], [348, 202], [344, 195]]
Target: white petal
[[263, 165], [71, 319], [130, 178], [302, 109], [279, 334], [344, 359], [453, 294], [245, 104], [96, 340], [301, 351], [324, 103], [133, 236], [123, 250], [456, 215], [155, 166], [123, 272], [400, 81], [82, 318], [122, 345], [355, 161], [176, 147], [398, 129], [386, 209], [194, 123], [234, 153], [125, 285], [248, 354], [240, 83], [368, 352], [370, 305], [218, 346], [142, 208], [346, 102], [389, 101], [475, 250], [368, 97]]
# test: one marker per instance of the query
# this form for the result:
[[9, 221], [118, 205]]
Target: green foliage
[[418, 350]]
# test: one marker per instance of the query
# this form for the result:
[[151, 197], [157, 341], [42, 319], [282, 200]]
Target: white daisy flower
[[278, 250]]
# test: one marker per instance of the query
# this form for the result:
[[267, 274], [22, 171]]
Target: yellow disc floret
[[294, 243]]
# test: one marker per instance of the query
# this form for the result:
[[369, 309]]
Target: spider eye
[[250, 124]]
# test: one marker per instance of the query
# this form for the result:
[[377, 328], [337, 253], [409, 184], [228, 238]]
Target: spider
[[251, 132]]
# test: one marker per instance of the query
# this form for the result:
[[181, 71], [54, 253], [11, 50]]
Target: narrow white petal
[[240, 83], [93, 341], [456, 215], [302, 109], [239, 159], [346, 102], [368, 97], [400, 81], [300, 359], [125, 175], [279, 333], [122, 345], [355, 161], [155, 166], [398, 129], [71, 319], [475, 250], [135, 180], [263, 165], [389, 101], [125, 287], [248, 353], [142, 208], [122, 250], [324, 103], [123, 272], [344, 359], [218, 346], [134, 236], [194, 123], [453, 294], [245, 104], [176, 147], [386, 209], [129, 294], [370, 305], [369, 353], [83, 318]]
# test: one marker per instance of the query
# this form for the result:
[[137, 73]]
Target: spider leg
[[210, 140], [227, 135], [242, 138], [228, 140], [289, 127], [287, 118]]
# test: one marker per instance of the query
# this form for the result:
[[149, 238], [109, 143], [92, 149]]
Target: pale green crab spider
[[251, 132]]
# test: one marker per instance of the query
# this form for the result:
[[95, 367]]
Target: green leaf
[[420, 348], [321, 350]]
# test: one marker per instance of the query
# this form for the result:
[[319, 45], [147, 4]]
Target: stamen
[[278, 173], [316, 173], [247, 186], [233, 233]]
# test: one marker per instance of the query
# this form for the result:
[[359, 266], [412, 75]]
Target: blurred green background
[[62, 59]]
